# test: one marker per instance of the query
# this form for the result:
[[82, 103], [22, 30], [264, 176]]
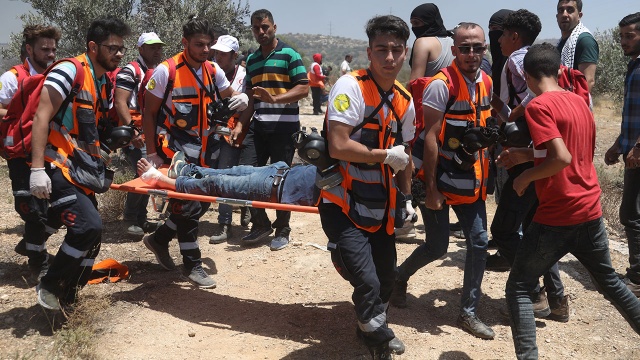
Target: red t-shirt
[[571, 196]]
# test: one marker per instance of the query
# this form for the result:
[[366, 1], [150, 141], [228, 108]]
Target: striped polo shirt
[[279, 72]]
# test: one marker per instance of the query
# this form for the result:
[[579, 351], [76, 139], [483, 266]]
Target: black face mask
[[419, 30], [494, 35]]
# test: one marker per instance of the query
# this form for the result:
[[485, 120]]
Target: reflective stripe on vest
[[77, 149], [187, 128], [368, 192], [459, 186]]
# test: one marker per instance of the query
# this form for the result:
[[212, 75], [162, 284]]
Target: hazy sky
[[347, 17]]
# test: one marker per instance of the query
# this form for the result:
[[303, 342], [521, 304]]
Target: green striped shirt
[[278, 73]]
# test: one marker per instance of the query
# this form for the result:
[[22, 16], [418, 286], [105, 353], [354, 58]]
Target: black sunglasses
[[477, 49], [114, 49]]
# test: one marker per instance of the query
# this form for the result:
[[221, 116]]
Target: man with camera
[[177, 102], [226, 54], [454, 177]]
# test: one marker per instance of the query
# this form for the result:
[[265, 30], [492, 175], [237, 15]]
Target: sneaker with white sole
[[221, 234], [47, 299], [161, 252], [177, 163], [198, 276], [406, 232]]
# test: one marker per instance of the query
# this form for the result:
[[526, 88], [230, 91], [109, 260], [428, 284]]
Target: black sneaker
[[245, 216], [21, 248], [475, 327], [161, 252], [256, 234], [395, 345], [399, 294], [221, 234], [497, 262]]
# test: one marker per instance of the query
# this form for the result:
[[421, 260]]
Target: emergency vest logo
[[0, 86], [152, 84], [453, 143], [342, 102]]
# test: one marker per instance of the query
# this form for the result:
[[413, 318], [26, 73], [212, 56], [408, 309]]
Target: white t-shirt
[[237, 83], [158, 82], [346, 95], [9, 85], [344, 67]]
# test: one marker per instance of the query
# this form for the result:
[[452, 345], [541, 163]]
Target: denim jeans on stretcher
[[541, 247], [239, 182]]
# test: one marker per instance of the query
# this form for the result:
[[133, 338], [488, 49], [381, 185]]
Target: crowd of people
[[377, 143]]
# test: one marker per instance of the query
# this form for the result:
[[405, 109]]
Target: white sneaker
[[406, 232]]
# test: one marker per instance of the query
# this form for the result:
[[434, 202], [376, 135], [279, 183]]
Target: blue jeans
[[135, 206], [229, 157], [473, 219], [239, 182], [514, 213], [542, 247], [630, 219]]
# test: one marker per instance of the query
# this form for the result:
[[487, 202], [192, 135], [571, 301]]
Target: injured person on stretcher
[[272, 183]]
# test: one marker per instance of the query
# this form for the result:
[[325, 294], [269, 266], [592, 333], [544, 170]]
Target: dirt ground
[[289, 304]]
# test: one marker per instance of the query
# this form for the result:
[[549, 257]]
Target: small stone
[[4, 297], [547, 340], [192, 333], [239, 265]]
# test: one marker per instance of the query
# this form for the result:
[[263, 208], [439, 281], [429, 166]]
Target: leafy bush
[[612, 65]]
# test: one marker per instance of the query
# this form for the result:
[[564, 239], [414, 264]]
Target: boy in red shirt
[[569, 217]]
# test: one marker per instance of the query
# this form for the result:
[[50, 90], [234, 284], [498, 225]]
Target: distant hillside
[[333, 50]]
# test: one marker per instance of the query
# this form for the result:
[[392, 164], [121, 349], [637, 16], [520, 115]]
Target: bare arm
[[152, 105], [298, 92], [423, 50], [120, 98], [589, 71], [433, 126], [50, 101], [558, 157], [342, 147], [3, 111]]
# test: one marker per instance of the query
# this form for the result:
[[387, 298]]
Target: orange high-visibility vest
[[368, 193], [185, 126], [460, 186]]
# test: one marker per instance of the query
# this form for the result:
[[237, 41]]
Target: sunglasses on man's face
[[477, 49]]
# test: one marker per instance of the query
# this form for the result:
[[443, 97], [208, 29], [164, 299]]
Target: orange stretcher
[[161, 196]]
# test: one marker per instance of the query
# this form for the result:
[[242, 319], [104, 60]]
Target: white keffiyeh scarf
[[569, 49]]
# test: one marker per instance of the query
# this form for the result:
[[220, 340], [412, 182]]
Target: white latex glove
[[411, 212], [239, 102], [155, 160], [39, 183], [397, 158]]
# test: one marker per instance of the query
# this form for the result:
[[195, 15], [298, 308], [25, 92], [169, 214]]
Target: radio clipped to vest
[[313, 148]]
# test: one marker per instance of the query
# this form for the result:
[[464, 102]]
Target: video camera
[[509, 134], [313, 149], [218, 113]]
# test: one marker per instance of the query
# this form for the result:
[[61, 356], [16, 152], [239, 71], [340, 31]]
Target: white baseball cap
[[149, 38], [226, 43]]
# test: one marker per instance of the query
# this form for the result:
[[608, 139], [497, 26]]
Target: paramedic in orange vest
[[67, 167], [175, 119], [41, 43], [368, 115], [316, 83], [447, 183], [126, 98]]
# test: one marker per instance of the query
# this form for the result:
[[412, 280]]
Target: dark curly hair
[[32, 33], [525, 23], [542, 60], [196, 25], [387, 25], [105, 26]]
